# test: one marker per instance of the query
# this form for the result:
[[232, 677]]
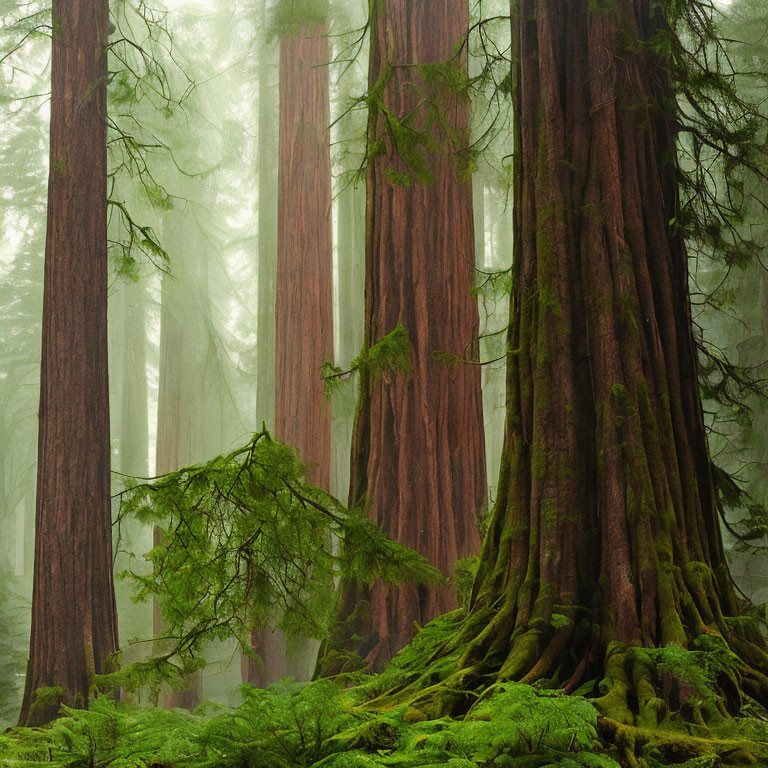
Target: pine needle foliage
[[242, 535]]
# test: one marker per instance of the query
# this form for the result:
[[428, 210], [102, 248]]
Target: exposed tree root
[[665, 705], [633, 744]]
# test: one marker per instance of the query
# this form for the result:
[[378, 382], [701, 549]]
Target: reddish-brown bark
[[304, 305], [74, 621], [606, 511], [418, 460]]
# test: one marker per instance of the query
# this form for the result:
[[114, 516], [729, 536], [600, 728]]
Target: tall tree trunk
[[271, 645], [130, 438], [133, 445], [179, 442], [189, 392], [304, 308], [494, 313], [74, 621], [418, 460], [606, 512]]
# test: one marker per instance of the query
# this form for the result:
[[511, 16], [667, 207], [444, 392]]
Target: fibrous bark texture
[[304, 306], [418, 459], [304, 323], [606, 511], [74, 621]]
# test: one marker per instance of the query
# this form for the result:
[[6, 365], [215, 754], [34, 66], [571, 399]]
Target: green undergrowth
[[245, 542], [321, 725], [348, 722]]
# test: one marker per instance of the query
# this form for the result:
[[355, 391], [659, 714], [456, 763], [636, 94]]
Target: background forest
[[310, 214]]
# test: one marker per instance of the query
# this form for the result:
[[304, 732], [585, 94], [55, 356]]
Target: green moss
[[620, 392], [294, 18], [49, 696], [464, 573], [59, 166], [602, 6]]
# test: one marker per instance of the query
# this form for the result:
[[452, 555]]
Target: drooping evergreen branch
[[240, 535]]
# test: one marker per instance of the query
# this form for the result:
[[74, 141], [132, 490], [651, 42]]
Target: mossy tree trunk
[[418, 459], [605, 535], [74, 620], [304, 306]]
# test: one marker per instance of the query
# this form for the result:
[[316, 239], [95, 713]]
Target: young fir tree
[[418, 460], [74, 622], [304, 289]]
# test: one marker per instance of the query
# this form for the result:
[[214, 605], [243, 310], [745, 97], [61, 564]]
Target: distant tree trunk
[[74, 621], [304, 307], [130, 437], [270, 645], [495, 321], [267, 228], [304, 337], [349, 300], [418, 459], [131, 381], [177, 445]]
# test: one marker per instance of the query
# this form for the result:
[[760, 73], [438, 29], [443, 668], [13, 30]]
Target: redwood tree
[[606, 534], [418, 459], [74, 622], [304, 306], [304, 301]]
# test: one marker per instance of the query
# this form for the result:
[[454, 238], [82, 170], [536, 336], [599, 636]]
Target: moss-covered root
[[666, 709], [635, 744]]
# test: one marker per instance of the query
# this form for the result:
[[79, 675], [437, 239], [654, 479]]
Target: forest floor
[[354, 722]]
